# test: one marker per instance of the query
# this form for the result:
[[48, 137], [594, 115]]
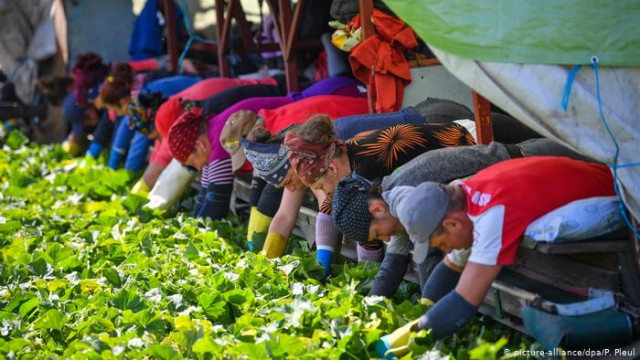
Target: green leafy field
[[85, 272]]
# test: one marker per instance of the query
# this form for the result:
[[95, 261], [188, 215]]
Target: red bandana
[[183, 135], [310, 161]]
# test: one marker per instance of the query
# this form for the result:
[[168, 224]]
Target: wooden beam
[[291, 64], [223, 64], [366, 11], [172, 34], [422, 61], [293, 31], [275, 13], [243, 24], [482, 114]]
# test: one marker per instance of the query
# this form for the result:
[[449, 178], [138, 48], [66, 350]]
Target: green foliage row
[[85, 272]]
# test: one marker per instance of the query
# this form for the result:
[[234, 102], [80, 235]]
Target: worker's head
[[434, 215], [270, 158], [188, 141], [238, 124], [360, 213], [143, 111], [88, 72], [318, 159], [455, 229], [55, 88], [115, 92], [83, 119]]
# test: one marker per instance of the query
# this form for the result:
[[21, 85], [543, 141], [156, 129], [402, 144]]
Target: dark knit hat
[[350, 211]]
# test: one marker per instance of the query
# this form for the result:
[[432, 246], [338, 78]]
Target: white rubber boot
[[169, 187]]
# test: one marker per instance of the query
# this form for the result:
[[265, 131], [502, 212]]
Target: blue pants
[[130, 143]]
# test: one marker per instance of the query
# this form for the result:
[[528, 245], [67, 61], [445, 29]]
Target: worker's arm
[[394, 266], [443, 279], [457, 308], [283, 223]]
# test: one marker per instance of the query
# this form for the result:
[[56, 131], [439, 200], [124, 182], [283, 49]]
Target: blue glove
[[199, 202], [216, 201], [94, 150], [448, 316]]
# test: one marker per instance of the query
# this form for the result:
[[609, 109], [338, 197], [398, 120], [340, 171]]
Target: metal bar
[[482, 114], [291, 64], [172, 34], [293, 31], [223, 64]]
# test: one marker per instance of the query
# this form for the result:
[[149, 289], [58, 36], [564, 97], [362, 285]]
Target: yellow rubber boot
[[140, 189], [258, 223], [274, 245]]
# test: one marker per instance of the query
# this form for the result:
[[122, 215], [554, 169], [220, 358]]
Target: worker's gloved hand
[[447, 316], [71, 147], [94, 150], [443, 279], [396, 343], [328, 238], [258, 223], [274, 245], [390, 275], [169, 187], [140, 189], [216, 201]]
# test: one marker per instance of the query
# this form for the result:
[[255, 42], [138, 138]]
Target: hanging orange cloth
[[379, 61]]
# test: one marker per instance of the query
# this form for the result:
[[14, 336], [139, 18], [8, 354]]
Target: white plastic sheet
[[533, 94]]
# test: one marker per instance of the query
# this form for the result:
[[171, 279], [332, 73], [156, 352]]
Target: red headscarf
[[310, 161], [168, 113], [183, 135]]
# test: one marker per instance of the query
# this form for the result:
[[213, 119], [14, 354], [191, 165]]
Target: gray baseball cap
[[421, 212]]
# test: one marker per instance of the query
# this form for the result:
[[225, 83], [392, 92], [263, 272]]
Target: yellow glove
[[396, 343], [71, 147], [140, 189], [426, 302], [274, 245]]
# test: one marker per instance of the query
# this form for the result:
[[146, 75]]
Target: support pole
[[223, 64], [172, 34], [366, 11], [291, 64], [482, 114]]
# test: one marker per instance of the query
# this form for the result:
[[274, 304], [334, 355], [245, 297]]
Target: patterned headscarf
[[183, 135], [350, 211], [269, 160], [310, 161], [143, 111]]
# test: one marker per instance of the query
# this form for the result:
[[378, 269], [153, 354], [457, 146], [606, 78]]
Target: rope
[[615, 166], [192, 35]]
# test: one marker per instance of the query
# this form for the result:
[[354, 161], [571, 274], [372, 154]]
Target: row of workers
[[323, 139]]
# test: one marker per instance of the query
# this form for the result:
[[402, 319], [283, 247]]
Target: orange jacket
[[379, 61]]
